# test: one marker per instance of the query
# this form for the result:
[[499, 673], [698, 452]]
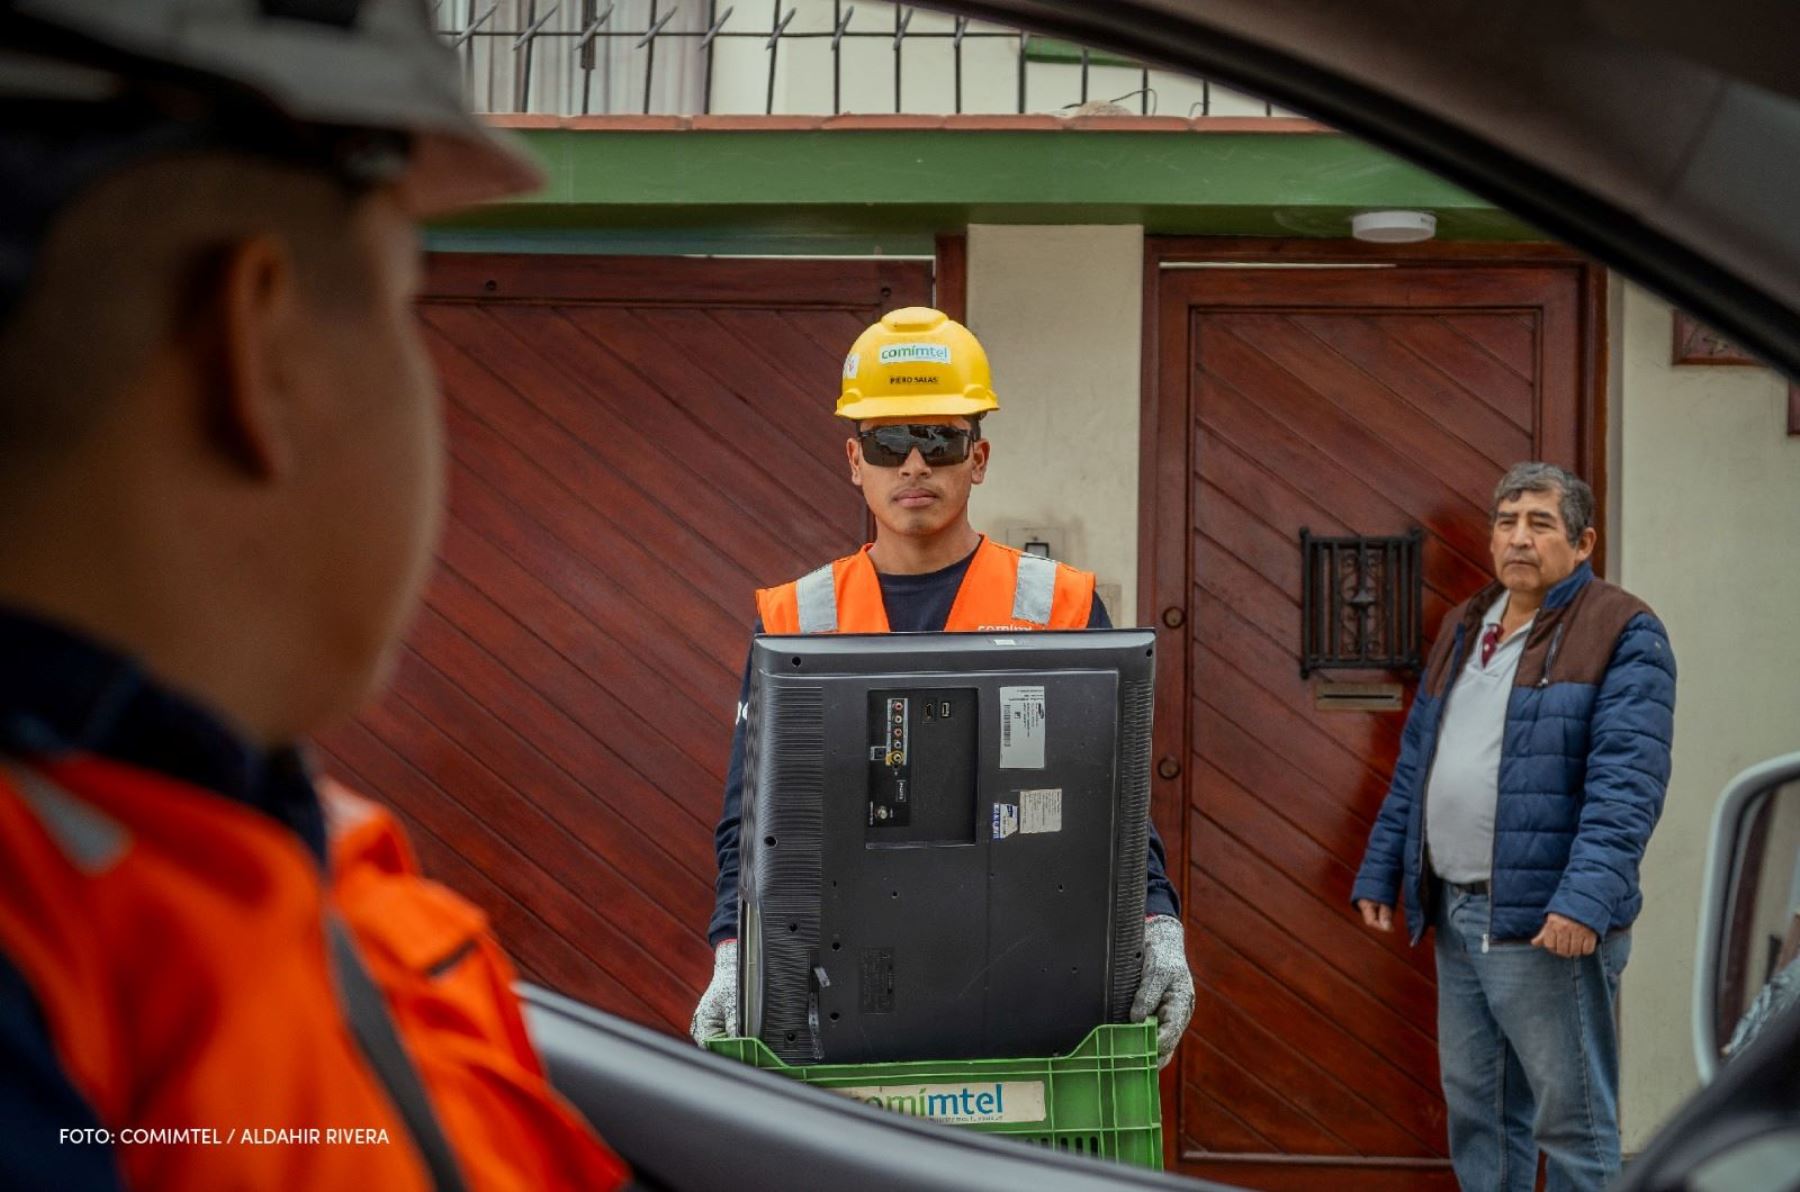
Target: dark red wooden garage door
[[1348, 401], [636, 444]]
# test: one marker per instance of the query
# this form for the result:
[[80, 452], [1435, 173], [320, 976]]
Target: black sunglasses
[[888, 446]]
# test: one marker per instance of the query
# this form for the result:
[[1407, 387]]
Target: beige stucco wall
[[1706, 487], [1059, 311]]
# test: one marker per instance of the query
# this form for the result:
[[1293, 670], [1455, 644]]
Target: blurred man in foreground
[[221, 485]]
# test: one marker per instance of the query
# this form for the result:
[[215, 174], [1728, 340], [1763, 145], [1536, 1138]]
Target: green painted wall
[[856, 191]]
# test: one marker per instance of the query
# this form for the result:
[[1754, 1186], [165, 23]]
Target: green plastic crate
[[1101, 1099]]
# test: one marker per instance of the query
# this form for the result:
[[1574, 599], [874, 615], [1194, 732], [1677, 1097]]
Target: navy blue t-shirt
[[914, 604]]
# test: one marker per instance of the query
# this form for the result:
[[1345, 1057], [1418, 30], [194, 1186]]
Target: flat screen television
[[942, 851]]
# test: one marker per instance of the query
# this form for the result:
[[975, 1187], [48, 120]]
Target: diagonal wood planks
[[635, 446], [1354, 404]]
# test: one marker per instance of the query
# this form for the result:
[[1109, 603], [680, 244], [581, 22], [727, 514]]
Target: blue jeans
[[1529, 1049]]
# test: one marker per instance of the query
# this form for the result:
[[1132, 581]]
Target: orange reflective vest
[[176, 944], [1005, 590]]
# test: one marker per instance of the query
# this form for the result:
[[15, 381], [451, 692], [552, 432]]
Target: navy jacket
[[914, 604], [1584, 764]]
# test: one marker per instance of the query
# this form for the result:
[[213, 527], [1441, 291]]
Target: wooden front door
[[636, 444], [1345, 400]]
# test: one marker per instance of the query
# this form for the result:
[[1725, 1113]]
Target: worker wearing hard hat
[[916, 387], [222, 479]]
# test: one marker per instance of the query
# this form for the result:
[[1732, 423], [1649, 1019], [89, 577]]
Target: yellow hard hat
[[916, 362]]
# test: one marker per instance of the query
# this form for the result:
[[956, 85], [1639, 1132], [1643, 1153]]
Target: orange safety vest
[[1005, 590], [176, 944]]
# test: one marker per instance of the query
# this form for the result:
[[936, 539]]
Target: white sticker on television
[[1022, 728], [1040, 811]]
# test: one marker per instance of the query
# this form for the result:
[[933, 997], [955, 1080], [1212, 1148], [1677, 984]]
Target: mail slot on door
[[1331, 696]]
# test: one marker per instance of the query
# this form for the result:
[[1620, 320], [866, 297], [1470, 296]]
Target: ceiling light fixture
[[1394, 227]]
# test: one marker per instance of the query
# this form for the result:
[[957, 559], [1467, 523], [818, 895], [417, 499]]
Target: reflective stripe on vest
[[367, 1013], [1035, 589], [1003, 589], [92, 842], [817, 596]]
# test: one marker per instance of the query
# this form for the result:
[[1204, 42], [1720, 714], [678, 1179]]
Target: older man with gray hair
[[1532, 770]]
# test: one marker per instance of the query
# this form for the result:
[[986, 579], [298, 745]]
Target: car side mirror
[[1747, 971]]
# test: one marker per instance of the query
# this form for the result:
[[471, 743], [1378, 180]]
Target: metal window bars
[[592, 27], [1361, 602]]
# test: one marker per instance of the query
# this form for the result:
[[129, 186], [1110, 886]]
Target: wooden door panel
[[1327, 863], [570, 604], [1364, 401], [776, 396], [568, 544], [534, 458], [1254, 598], [1273, 503], [1301, 349], [1361, 1009], [1324, 1096], [1216, 1126], [789, 350], [1332, 483], [1354, 1174], [1352, 440], [1249, 1088], [1439, 372], [1259, 663], [1260, 658], [1309, 907], [635, 444], [1389, 1090], [616, 400], [642, 459], [604, 831], [514, 684], [1259, 766], [1510, 339], [728, 416], [1237, 530], [1328, 761], [486, 796]]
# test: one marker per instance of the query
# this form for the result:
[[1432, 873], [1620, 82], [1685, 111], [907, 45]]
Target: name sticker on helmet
[[852, 362], [915, 354]]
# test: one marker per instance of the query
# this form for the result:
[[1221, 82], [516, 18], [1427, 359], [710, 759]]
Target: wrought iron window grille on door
[[1361, 602]]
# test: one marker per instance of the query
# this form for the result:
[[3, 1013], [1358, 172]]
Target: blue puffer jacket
[[1584, 764]]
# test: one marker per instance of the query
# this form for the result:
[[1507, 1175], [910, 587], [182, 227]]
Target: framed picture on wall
[[1696, 343]]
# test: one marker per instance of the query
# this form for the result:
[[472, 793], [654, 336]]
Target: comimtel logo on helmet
[[916, 362], [915, 353]]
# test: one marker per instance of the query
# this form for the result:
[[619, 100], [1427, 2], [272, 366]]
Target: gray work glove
[[717, 1014], [1166, 988]]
